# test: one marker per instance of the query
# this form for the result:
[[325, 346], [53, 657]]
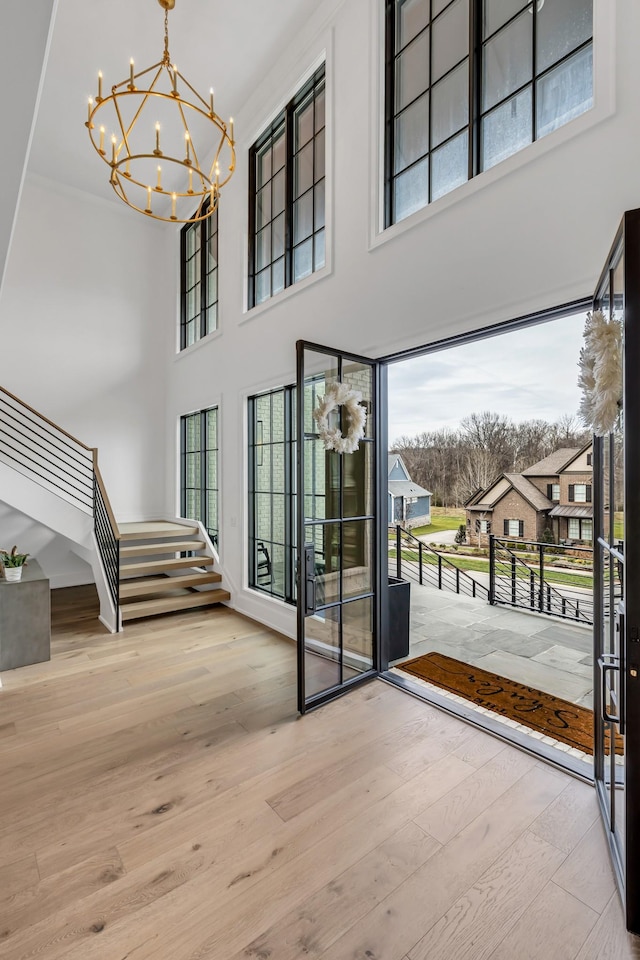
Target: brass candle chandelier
[[153, 135]]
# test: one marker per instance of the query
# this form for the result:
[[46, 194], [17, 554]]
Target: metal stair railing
[[65, 466], [515, 583], [418, 561]]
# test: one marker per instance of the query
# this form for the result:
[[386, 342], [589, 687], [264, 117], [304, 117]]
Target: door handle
[[309, 579], [606, 668]]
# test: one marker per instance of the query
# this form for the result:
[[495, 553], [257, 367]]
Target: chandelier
[[154, 131]]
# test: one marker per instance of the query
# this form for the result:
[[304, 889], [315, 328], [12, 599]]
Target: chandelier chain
[[166, 58]]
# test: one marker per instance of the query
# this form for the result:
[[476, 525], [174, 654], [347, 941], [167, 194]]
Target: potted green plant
[[11, 563]]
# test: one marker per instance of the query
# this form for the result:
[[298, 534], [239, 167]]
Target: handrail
[[460, 581], [52, 469], [105, 497], [526, 587], [41, 416]]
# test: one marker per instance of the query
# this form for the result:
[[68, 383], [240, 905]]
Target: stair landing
[[151, 529]]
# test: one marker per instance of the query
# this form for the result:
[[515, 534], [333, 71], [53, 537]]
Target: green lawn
[[441, 519], [482, 566]]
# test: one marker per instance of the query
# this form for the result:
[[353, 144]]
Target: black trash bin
[[399, 607]]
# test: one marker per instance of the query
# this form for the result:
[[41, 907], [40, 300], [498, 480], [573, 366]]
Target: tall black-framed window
[[287, 195], [199, 469], [198, 280], [272, 504], [470, 82]]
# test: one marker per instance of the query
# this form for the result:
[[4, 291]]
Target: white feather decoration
[[601, 373]]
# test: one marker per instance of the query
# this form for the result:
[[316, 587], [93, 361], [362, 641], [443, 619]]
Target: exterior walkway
[[541, 651]]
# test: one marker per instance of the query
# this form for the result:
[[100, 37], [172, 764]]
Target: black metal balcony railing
[[516, 582], [411, 559], [59, 462]]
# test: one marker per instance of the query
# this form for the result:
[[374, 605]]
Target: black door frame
[[379, 572], [627, 861]]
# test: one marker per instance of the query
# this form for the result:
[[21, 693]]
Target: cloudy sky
[[529, 373]]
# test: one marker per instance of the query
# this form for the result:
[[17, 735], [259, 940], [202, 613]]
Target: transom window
[[287, 195], [199, 469], [198, 280], [470, 82]]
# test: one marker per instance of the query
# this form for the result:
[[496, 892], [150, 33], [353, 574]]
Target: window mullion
[[288, 193], [475, 87], [253, 198], [202, 227]]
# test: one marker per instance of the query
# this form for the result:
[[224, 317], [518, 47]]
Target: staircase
[[166, 567]]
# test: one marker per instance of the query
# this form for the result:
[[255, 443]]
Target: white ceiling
[[225, 44]]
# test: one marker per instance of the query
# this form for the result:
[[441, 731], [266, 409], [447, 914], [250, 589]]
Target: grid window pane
[[412, 190], [303, 260], [412, 71], [412, 134], [199, 280], [272, 553], [277, 276], [506, 130], [199, 469], [304, 170], [304, 124], [303, 217], [288, 207], [450, 104], [561, 28], [449, 166], [412, 17], [508, 60], [319, 251], [497, 12], [278, 151], [277, 237], [565, 92], [320, 110], [318, 206], [450, 38], [264, 165]]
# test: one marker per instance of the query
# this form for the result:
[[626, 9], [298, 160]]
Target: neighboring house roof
[[554, 464], [530, 492], [581, 513], [407, 488], [392, 460], [502, 486]]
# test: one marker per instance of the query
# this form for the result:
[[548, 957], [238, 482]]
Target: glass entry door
[[617, 595], [338, 615]]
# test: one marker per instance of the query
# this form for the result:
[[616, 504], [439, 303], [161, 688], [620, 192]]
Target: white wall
[[25, 29], [83, 319], [532, 233]]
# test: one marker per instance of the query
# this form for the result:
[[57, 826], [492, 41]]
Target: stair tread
[[146, 549], [148, 586], [184, 601], [155, 529], [149, 567]]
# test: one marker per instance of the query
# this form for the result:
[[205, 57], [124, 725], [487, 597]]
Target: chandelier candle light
[[154, 160]]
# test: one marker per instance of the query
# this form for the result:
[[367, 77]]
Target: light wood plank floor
[[160, 800]]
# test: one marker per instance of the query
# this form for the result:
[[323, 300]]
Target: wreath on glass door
[[341, 395], [600, 376]]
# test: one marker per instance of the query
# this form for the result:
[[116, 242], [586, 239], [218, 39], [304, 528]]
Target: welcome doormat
[[560, 719]]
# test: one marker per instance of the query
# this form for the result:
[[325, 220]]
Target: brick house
[[553, 494]]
